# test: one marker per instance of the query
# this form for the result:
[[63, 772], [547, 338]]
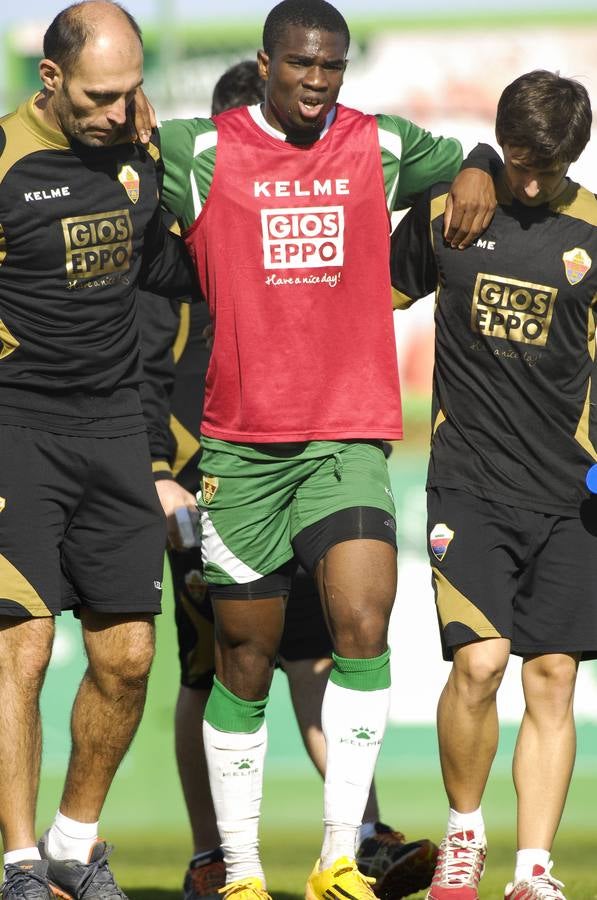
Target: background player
[[306, 646], [80, 524], [512, 533]]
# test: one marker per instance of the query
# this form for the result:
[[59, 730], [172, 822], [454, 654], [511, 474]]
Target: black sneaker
[[399, 867], [74, 880], [26, 880]]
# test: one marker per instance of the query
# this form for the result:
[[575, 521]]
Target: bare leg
[[192, 767], [467, 720], [25, 648], [357, 586], [546, 746], [107, 709], [248, 634]]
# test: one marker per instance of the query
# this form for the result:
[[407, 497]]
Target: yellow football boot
[[341, 881], [245, 889]]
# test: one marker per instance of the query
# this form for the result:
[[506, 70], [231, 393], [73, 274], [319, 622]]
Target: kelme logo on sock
[[240, 767], [361, 736]]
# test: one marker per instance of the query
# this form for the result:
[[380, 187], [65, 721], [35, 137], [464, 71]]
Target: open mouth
[[310, 108]]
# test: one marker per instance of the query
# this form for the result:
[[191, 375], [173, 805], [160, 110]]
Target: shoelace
[[363, 891], [547, 887], [458, 869], [99, 872], [18, 875], [241, 885]]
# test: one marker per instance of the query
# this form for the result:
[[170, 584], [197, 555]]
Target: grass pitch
[[150, 864]]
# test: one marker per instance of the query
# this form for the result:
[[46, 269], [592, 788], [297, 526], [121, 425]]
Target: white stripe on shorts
[[215, 551]]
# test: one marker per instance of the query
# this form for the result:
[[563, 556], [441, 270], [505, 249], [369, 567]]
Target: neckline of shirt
[[256, 114]]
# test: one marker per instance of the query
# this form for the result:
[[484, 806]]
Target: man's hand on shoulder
[[469, 208]]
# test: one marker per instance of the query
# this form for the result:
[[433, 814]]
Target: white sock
[[472, 821], [526, 859], [16, 856], [69, 839], [353, 723], [235, 765]]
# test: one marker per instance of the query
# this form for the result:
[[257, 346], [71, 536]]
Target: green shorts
[[255, 499]]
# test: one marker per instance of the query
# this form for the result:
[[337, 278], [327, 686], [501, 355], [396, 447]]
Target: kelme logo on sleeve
[[577, 263], [303, 238], [130, 182], [439, 540], [512, 309]]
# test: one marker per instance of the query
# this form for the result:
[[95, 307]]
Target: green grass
[[150, 862], [150, 866]]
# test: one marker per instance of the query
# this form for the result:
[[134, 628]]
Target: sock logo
[[240, 767], [361, 736]]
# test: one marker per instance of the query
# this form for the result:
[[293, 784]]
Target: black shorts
[[502, 571], [305, 632], [80, 524]]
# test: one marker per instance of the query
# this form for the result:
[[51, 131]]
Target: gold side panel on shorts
[[438, 421], [400, 300], [201, 658], [17, 589], [454, 607], [8, 342], [2, 245], [182, 335], [582, 430], [186, 445]]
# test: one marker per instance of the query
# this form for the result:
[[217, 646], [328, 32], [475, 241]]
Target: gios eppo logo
[[303, 238], [512, 309], [98, 244]]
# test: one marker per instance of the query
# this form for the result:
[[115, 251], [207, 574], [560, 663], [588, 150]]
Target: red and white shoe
[[540, 886], [460, 864]]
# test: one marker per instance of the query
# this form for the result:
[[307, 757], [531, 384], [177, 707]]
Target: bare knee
[[549, 681], [248, 634], [120, 654], [246, 667], [25, 650], [477, 673]]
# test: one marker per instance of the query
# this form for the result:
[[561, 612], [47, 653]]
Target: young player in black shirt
[[512, 531]]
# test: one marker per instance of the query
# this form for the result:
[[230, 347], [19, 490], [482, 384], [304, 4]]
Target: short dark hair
[[69, 32], [240, 85], [546, 114], [306, 13]]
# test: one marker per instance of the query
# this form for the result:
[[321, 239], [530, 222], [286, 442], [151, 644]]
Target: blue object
[[591, 479]]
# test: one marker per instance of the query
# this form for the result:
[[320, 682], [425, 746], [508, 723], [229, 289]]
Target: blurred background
[[443, 65]]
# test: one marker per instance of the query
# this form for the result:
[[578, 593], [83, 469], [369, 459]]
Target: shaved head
[[92, 21], [92, 68]]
